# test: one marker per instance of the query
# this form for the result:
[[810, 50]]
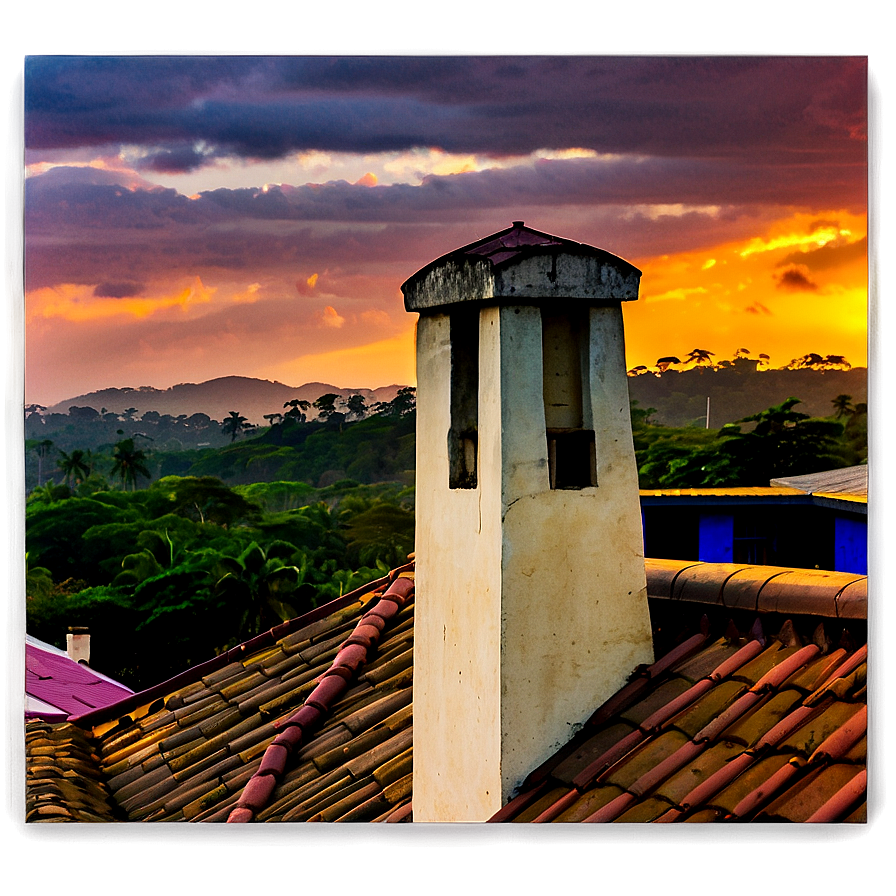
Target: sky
[[195, 217]]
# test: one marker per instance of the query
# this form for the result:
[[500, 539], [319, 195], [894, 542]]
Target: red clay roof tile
[[811, 793], [851, 793]]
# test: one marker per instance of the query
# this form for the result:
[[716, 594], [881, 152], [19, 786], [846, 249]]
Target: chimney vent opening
[[463, 442]]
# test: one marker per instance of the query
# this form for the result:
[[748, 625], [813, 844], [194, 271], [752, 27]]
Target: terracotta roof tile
[[539, 806], [588, 803], [754, 780], [811, 793], [696, 717], [677, 786], [591, 750], [644, 713], [848, 796]]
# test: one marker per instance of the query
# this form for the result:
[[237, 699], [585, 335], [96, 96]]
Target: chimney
[[77, 644], [531, 592]]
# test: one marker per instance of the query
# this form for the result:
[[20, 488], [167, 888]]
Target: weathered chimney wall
[[531, 592]]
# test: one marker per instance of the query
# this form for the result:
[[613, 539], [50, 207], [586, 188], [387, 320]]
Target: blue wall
[[851, 545], [716, 538]]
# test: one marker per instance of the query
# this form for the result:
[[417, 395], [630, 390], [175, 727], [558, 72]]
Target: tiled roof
[[303, 723], [56, 686], [313, 721], [737, 727]]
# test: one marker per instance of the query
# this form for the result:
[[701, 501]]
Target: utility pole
[[707, 412]]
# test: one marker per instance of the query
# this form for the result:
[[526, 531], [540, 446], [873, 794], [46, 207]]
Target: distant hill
[[741, 390], [253, 398]]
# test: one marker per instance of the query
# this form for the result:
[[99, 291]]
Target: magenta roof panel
[[53, 678]]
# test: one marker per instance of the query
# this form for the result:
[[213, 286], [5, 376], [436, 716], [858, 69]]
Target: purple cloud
[[120, 290], [747, 107]]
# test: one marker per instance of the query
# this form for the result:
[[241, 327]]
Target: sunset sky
[[195, 217]]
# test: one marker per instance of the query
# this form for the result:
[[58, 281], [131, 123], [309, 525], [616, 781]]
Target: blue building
[[817, 521]]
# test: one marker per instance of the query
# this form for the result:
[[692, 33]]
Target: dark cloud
[[83, 227], [783, 108], [119, 290], [758, 308], [829, 256], [796, 278], [173, 161]]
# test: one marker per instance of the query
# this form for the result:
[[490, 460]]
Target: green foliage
[[38, 580], [204, 499], [276, 497], [384, 532], [780, 442], [55, 530], [189, 567]]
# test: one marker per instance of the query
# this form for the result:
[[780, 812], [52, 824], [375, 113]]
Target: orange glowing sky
[[256, 217]]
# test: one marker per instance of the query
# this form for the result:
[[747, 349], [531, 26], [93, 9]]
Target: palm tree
[[41, 449], [128, 463], [700, 356], [235, 424], [843, 406], [75, 465]]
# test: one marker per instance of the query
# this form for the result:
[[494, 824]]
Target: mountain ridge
[[249, 396]]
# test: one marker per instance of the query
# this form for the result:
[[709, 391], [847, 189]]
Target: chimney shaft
[[77, 643], [531, 592]]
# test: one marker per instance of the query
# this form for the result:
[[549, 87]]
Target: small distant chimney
[[77, 643], [531, 592]]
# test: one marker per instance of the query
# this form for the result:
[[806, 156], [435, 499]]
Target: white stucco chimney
[[77, 644], [531, 592]]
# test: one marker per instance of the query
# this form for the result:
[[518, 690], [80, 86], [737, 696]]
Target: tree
[[383, 532], [204, 499], [326, 405], [83, 414], [38, 580], [814, 361], [129, 462], [356, 406], [662, 364], [842, 405], [266, 589], [235, 424], [700, 356], [41, 448], [784, 442], [297, 408], [75, 465], [404, 403]]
